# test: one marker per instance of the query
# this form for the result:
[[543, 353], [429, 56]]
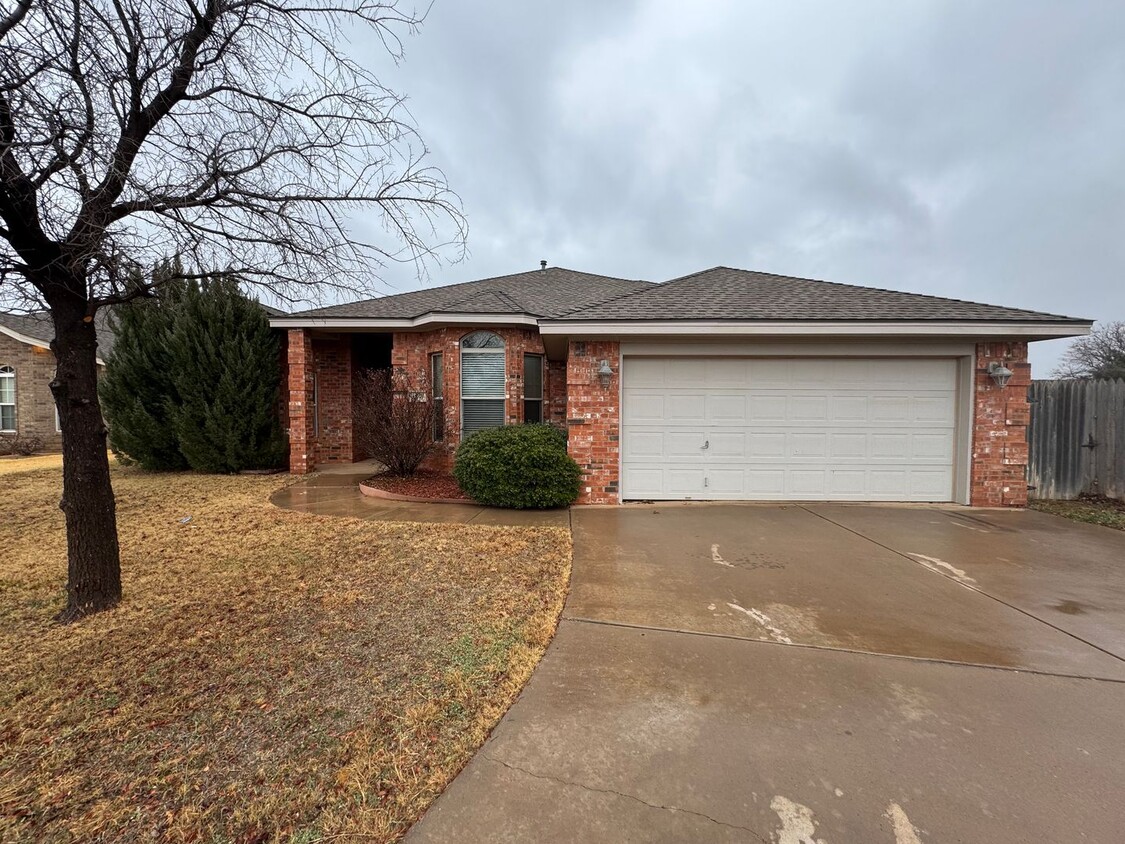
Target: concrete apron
[[828, 673]]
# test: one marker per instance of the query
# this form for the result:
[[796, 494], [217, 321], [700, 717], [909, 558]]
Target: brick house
[[721, 385], [27, 365]]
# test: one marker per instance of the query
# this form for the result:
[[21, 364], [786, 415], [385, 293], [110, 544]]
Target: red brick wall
[[411, 355], [330, 360], [1000, 419], [593, 419], [333, 358], [300, 381]]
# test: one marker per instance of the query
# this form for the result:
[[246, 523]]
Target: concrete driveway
[[821, 673]]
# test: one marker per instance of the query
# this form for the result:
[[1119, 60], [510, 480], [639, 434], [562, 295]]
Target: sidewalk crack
[[632, 797]]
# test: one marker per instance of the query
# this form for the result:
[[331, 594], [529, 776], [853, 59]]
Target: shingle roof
[[723, 293], [542, 293], [38, 326]]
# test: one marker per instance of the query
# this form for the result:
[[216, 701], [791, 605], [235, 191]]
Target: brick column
[[1000, 419], [593, 418], [301, 363]]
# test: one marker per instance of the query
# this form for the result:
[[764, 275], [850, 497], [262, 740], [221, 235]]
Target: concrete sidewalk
[[336, 493]]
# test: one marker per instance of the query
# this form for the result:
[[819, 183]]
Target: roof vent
[[542, 265]]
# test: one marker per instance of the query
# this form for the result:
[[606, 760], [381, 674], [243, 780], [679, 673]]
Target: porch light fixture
[[999, 373], [604, 373]]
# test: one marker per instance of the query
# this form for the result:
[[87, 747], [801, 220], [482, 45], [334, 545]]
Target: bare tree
[[1100, 354], [394, 419], [237, 134]]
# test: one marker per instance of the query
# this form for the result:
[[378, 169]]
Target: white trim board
[[717, 328], [32, 341], [354, 323], [815, 347]]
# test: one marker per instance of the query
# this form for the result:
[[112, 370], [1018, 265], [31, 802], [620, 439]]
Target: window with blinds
[[532, 388], [482, 382], [437, 393]]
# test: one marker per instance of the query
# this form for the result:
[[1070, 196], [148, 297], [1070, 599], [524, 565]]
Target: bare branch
[[234, 133]]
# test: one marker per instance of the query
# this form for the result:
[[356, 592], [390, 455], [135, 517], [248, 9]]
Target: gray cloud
[[967, 150]]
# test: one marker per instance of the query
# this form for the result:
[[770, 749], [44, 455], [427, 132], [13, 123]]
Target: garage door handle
[[706, 444]]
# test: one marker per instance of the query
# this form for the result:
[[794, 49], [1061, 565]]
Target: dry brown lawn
[[269, 676], [11, 465]]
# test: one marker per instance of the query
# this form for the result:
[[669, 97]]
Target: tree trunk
[[94, 560]]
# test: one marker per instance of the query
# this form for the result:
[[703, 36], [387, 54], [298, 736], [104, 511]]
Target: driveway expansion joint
[[571, 783], [830, 649], [969, 586]]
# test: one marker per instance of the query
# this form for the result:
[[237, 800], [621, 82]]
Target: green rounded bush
[[518, 466]]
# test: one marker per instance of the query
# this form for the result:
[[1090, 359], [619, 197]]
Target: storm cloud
[[971, 150]]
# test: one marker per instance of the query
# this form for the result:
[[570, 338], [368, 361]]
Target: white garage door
[[775, 429]]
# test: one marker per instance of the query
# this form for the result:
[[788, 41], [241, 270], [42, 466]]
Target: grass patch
[[1097, 511], [269, 676], [14, 465]]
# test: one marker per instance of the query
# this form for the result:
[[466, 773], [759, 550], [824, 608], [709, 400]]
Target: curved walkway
[[336, 493]]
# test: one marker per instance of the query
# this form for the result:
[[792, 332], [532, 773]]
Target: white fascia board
[[353, 323], [33, 341], [23, 338], [721, 328]]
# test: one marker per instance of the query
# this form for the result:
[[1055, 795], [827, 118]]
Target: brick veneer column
[[333, 364], [594, 420], [1000, 419], [300, 378]]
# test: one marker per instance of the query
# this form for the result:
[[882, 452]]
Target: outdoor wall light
[[999, 373], [604, 373]]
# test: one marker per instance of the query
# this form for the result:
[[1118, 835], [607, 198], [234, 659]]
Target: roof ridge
[[884, 290], [652, 285], [466, 284]]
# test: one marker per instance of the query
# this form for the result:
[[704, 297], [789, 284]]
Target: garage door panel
[[808, 445], [847, 482], [848, 446], [644, 407], [644, 445], [813, 429], [933, 447], [767, 444], [765, 484], [681, 407], [767, 407], [807, 483], [808, 408]]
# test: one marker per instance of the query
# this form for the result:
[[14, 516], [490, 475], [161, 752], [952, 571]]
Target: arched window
[[7, 398], [482, 381]]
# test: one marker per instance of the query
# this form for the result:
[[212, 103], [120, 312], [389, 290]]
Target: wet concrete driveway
[[819, 673]]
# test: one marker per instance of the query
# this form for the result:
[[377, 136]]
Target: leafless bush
[[393, 419], [23, 446]]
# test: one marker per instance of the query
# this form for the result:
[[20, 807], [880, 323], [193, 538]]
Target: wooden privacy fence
[[1076, 439]]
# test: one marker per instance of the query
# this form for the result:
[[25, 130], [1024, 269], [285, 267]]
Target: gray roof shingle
[[722, 293], [38, 326], [541, 293]]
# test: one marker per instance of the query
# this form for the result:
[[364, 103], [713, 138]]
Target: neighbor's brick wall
[[1000, 420], [593, 419], [35, 405], [410, 355]]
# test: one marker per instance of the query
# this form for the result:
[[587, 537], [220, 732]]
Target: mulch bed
[[421, 485]]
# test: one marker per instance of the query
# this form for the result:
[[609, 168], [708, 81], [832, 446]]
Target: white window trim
[[542, 397], [7, 371], [502, 352]]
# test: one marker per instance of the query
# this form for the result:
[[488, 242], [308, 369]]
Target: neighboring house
[[724, 384], [27, 366]]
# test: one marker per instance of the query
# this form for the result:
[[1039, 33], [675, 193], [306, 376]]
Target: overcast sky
[[964, 149]]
